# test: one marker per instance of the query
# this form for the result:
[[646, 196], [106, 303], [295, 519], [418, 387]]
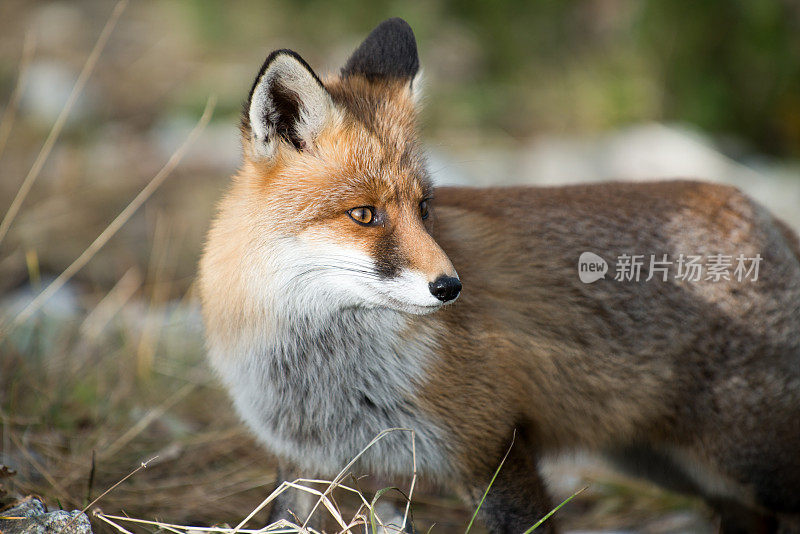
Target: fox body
[[330, 288]]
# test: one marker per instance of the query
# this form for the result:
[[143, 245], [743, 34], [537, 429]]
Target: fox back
[[331, 286]]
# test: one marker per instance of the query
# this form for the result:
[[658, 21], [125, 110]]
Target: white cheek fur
[[410, 292], [315, 273]]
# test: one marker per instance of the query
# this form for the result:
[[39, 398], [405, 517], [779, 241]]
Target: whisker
[[333, 270]]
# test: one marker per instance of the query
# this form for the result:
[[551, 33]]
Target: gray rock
[[30, 516]]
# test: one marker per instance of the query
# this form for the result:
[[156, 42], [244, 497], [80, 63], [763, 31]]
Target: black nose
[[445, 288]]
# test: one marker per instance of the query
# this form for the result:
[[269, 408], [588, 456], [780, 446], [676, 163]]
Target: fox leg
[[293, 505], [517, 498]]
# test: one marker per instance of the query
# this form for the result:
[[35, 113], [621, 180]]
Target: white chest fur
[[317, 392]]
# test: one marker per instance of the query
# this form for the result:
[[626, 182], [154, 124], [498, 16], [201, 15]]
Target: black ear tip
[[390, 50], [275, 54], [397, 32], [280, 52], [395, 24]]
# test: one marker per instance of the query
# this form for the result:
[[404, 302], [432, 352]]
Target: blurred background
[[110, 371]]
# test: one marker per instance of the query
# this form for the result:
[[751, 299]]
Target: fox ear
[[287, 103], [388, 52]]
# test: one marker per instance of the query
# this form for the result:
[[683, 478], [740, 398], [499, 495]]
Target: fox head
[[331, 207]]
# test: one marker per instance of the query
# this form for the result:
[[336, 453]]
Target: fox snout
[[423, 278], [445, 288], [424, 284]]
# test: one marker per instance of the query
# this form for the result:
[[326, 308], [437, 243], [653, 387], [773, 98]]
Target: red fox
[[343, 294]]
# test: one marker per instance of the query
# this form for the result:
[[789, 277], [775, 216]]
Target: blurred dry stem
[[120, 220], [143, 465], [7, 122], [145, 421], [55, 131], [157, 272], [97, 319]]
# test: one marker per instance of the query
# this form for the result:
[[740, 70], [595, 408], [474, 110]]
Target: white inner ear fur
[[416, 87], [315, 104]]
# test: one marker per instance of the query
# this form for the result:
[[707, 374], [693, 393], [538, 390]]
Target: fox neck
[[300, 356], [293, 383], [351, 333]]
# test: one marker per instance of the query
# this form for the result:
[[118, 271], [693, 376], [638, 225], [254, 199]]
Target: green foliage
[[729, 67]]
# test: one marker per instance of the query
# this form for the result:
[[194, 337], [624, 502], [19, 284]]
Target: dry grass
[[74, 422], [366, 517], [77, 422]]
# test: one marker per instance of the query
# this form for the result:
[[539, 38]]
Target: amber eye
[[423, 209], [362, 215]]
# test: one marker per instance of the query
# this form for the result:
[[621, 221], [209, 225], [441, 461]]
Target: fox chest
[[319, 402]]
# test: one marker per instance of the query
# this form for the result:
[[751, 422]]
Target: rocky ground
[[30, 516]]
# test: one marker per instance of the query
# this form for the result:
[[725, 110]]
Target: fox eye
[[423, 209], [362, 215]]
